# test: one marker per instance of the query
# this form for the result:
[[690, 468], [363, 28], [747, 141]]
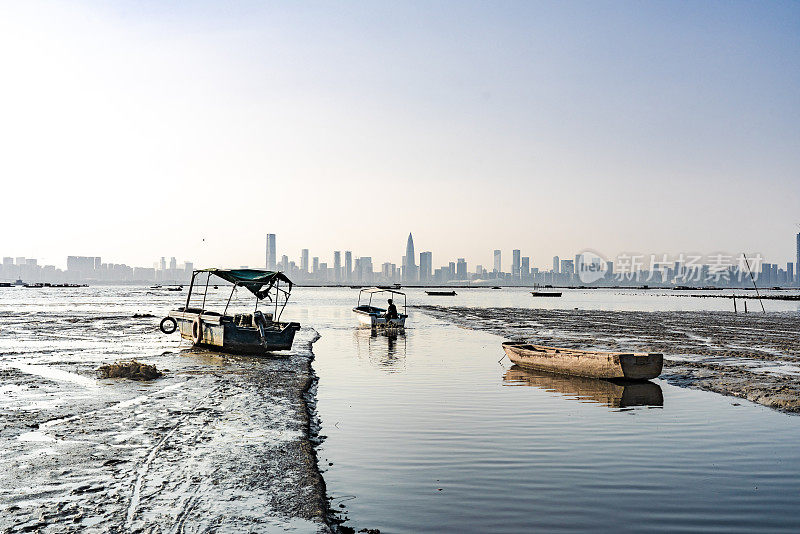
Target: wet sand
[[220, 443], [751, 356]]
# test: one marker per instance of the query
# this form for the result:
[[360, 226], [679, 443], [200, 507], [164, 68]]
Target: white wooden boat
[[591, 363], [374, 317]]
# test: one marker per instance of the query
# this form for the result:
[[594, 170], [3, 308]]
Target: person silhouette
[[391, 311]]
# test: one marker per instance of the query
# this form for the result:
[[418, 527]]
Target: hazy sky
[[134, 130]]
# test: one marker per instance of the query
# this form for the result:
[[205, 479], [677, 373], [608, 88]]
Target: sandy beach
[[752, 356]]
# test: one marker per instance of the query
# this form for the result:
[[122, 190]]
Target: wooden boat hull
[[220, 333], [594, 364]]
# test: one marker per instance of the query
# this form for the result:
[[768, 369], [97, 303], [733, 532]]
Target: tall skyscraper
[[555, 264], [272, 258], [337, 265], [461, 269], [497, 267], [348, 265], [304, 260], [525, 267], [425, 266], [515, 262], [410, 271], [797, 263], [315, 265]]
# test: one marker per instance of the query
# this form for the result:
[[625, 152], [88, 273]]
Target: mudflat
[[753, 356]]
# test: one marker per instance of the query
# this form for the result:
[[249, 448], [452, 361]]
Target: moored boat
[[546, 293], [374, 317], [441, 293], [249, 333], [595, 364]]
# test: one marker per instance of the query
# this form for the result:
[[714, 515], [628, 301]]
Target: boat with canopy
[[258, 332], [369, 315]]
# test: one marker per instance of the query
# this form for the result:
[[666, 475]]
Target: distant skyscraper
[[315, 267], [337, 265], [304, 260], [348, 265], [410, 272], [797, 263], [425, 266], [555, 264], [497, 267], [525, 266], [515, 262], [163, 264], [461, 269], [173, 263], [272, 258]]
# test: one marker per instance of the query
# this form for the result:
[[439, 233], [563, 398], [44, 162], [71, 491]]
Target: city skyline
[[585, 267]]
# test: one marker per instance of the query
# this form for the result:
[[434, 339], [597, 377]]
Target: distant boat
[[6, 284], [179, 288], [546, 293], [591, 363], [441, 293], [497, 287], [374, 317], [355, 287]]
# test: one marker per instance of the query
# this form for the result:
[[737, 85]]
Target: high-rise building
[[790, 272], [348, 265], [272, 257], [315, 265], [173, 263], [556, 262], [163, 264], [461, 269], [515, 263], [304, 260], [797, 263], [425, 266], [410, 271], [337, 265], [525, 267], [497, 267]]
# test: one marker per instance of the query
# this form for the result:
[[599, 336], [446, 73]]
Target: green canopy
[[253, 279]]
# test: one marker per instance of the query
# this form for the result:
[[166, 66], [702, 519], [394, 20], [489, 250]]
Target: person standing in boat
[[391, 311]]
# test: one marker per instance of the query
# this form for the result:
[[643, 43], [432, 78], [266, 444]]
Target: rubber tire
[[168, 320], [197, 330]]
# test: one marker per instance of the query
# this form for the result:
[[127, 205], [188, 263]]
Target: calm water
[[428, 432]]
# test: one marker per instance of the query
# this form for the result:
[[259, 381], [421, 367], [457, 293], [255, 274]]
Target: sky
[[135, 130]]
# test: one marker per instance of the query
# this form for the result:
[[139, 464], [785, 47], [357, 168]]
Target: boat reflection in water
[[615, 394], [382, 348]]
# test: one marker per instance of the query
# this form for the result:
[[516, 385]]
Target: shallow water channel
[[426, 431]]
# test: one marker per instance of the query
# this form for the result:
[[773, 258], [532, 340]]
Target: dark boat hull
[[220, 333]]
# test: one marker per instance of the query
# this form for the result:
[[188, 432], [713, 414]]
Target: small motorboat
[[179, 288], [369, 315], [496, 287], [591, 363], [249, 333], [441, 293], [546, 293]]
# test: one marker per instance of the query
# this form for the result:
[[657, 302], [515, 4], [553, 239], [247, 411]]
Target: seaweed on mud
[[131, 369]]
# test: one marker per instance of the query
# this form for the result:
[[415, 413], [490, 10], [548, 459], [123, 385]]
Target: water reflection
[[605, 392], [383, 348]]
